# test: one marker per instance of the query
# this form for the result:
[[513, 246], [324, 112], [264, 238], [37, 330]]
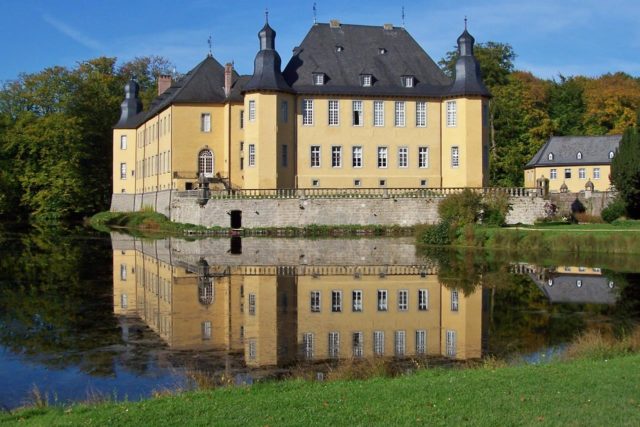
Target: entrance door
[[205, 163]]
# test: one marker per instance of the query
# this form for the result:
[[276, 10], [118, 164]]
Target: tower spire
[[209, 42], [315, 13], [266, 15], [402, 16], [465, 22]]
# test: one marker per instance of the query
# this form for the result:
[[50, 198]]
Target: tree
[[625, 171], [611, 103], [567, 105], [495, 59]]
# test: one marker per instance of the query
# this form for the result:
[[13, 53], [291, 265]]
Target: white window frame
[[252, 155], [356, 301], [336, 156], [582, 173], [358, 113], [421, 341], [403, 157], [252, 304], [568, 173], [124, 301], [596, 173], [423, 157], [403, 300], [315, 301], [336, 301], [123, 272], [400, 343], [252, 349], [553, 173], [423, 299], [206, 330], [314, 156], [378, 113], [383, 157], [421, 114], [455, 156], [366, 80], [383, 300], [455, 300], [334, 345], [450, 343], [252, 110], [579, 155], [205, 163], [318, 79], [407, 81], [334, 112], [307, 112], [357, 156], [205, 122], [358, 344], [308, 345], [452, 114], [400, 116], [123, 142], [378, 343], [123, 170]]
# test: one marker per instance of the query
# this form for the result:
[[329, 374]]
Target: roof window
[[318, 79], [366, 80], [407, 81], [339, 48], [550, 156], [382, 51], [611, 154], [579, 155]]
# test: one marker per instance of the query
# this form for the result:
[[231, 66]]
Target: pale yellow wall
[[127, 156], [261, 327], [583, 271], [370, 137], [574, 184], [124, 286], [154, 148], [233, 153], [470, 135], [466, 322]]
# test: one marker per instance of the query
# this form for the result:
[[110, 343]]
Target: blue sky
[[587, 37]]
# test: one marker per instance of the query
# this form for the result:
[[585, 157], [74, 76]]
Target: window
[[421, 341], [334, 345], [567, 173], [452, 114], [553, 174], [382, 300], [334, 112], [124, 301], [205, 122], [455, 157], [356, 300], [252, 304], [400, 343], [336, 301], [241, 119], [252, 110], [315, 301], [382, 157], [579, 155], [403, 300], [123, 271], [206, 330], [285, 155], [366, 80], [550, 157], [318, 79], [378, 113], [407, 81], [596, 173], [339, 48], [451, 343], [382, 183], [307, 345], [336, 157], [252, 155], [454, 301], [423, 157], [582, 173], [205, 163], [284, 111], [400, 116], [423, 183], [358, 344], [315, 156], [423, 299], [378, 343], [421, 114], [403, 157], [123, 142], [382, 50], [123, 171], [252, 349], [358, 113], [356, 154], [611, 154], [315, 183], [307, 112]]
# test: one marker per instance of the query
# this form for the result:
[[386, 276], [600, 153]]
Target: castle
[[356, 106]]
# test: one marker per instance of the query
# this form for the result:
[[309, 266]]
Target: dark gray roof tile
[[594, 150]]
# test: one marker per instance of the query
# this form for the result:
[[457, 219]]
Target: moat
[[91, 316]]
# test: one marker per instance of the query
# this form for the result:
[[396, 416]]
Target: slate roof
[[594, 149], [593, 289], [266, 66], [360, 54], [468, 79]]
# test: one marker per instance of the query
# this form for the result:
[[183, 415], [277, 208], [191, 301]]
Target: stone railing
[[355, 193]]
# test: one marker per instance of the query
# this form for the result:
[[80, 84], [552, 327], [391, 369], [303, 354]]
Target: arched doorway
[[205, 163]]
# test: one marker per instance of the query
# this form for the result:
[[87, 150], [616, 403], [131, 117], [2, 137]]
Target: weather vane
[[402, 16], [266, 14], [209, 42], [315, 13], [465, 22]]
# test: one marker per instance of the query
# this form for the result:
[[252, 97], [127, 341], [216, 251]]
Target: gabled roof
[[565, 149], [564, 289], [360, 54]]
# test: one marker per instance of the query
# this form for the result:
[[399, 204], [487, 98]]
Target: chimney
[[228, 78], [164, 83], [334, 23], [388, 27]]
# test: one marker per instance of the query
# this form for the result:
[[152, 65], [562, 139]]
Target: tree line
[[56, 125]]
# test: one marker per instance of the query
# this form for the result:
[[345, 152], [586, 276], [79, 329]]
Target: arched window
[[550, 156], [205, 163], [611, 154], [579, 155]]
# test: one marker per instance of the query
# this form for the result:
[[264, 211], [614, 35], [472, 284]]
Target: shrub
[[437, 234], [496, 206], [613, 211], [461, 208], [583, 217]]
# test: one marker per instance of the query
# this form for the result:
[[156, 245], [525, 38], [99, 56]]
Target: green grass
[[146, 222], [580, 392]]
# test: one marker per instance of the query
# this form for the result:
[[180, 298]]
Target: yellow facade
[[580, 175], [124, 161]]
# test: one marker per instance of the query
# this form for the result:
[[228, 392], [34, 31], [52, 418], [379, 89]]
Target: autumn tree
[[567, 106], [612, 102]]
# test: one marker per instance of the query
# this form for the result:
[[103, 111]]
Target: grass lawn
[[582, 392]]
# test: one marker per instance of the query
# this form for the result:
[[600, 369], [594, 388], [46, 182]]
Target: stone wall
[[159, 201], [526, 210], [592, 202]]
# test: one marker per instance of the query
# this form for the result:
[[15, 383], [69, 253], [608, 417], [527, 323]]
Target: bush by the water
[[461, 208], [614, 210], [496, 206], [437, 234]]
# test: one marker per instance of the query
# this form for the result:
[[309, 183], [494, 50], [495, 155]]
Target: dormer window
[[551, 156], [366, 80], [382, 51], [407, 81], [318, 79], [611, 154], [339, 48], [579, 155]]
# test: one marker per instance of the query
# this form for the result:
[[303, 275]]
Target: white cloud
[[72, 33]]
